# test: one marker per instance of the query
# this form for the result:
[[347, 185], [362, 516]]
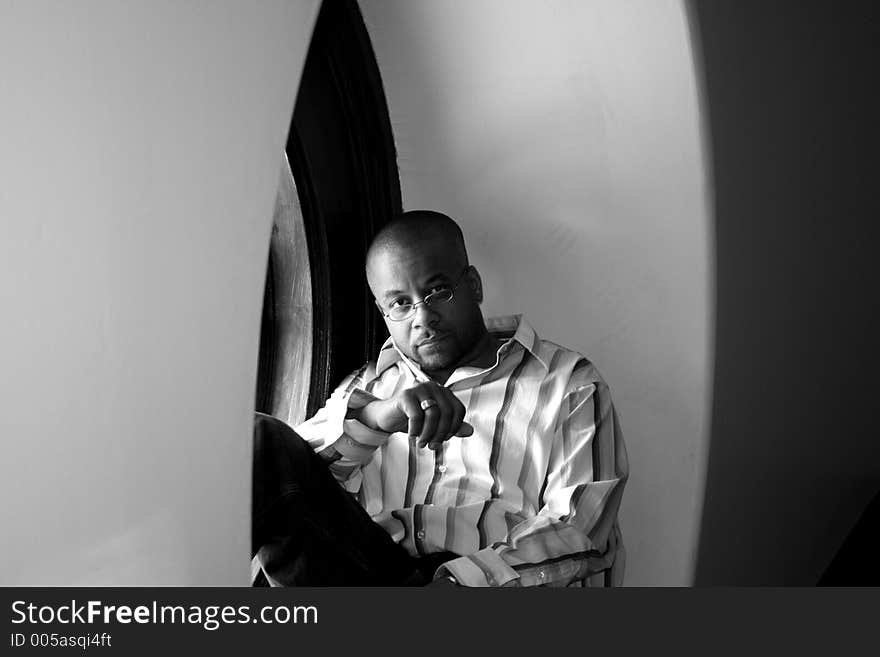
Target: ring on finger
[[428, 403]]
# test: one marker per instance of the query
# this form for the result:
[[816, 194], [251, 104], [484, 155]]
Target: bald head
[[417, 256], [417, 231]]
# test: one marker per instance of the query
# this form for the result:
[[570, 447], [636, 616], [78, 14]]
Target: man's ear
[[476, 283]]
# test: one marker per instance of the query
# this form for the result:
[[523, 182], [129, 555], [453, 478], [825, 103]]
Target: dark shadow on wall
[[794, 458]]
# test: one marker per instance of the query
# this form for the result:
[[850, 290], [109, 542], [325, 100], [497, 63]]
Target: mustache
[[428, 337]]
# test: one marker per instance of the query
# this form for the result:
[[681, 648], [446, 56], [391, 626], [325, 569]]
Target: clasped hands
[[427, 411]]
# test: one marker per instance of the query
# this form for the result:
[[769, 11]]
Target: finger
[[465, 430], [444, 419], [427, 392], [409, 404], [457, 417], [453, 414], [432, 416]]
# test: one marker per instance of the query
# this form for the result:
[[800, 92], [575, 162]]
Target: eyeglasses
[[406, 310]]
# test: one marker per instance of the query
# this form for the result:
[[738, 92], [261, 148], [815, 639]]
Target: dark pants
[[310, 531]]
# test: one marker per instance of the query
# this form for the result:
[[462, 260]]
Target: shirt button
[[541, 575], [420, 533], [441, 468]]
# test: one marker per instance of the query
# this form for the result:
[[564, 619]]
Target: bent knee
[[271, 433]]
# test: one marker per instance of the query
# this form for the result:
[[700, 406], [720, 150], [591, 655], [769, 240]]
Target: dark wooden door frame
[[343, 159]]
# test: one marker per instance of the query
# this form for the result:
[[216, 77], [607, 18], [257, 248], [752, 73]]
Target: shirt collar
[[509, 328]]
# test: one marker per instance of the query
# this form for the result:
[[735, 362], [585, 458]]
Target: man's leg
[[307, 529]]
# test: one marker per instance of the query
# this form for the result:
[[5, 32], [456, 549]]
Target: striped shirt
[[531, 498]]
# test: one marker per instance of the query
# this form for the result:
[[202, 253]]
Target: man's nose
[[424, 315]]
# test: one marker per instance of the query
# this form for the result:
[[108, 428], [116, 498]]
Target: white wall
[[141, 145], [565, 136]]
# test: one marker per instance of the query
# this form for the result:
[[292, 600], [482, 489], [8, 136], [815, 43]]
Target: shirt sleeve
[[575, 533], [345, 443]]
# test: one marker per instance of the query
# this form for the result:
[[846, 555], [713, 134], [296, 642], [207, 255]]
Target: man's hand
[[427, 411]]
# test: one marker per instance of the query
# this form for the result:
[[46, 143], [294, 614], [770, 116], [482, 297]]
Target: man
[[479, 454]]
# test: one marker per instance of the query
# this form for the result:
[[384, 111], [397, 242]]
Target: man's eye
[[399, 302], [439, 288]]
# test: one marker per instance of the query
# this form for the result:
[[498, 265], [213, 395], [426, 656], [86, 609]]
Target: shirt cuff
[[482, 568], [338, 424], [364, 435]]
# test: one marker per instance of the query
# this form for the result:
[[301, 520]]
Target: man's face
[[436, 337]]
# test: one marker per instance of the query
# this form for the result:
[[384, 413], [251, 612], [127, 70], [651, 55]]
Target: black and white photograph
[[438, 294]]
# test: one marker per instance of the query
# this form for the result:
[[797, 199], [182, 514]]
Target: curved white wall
[[565, 136], [141, 144]]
